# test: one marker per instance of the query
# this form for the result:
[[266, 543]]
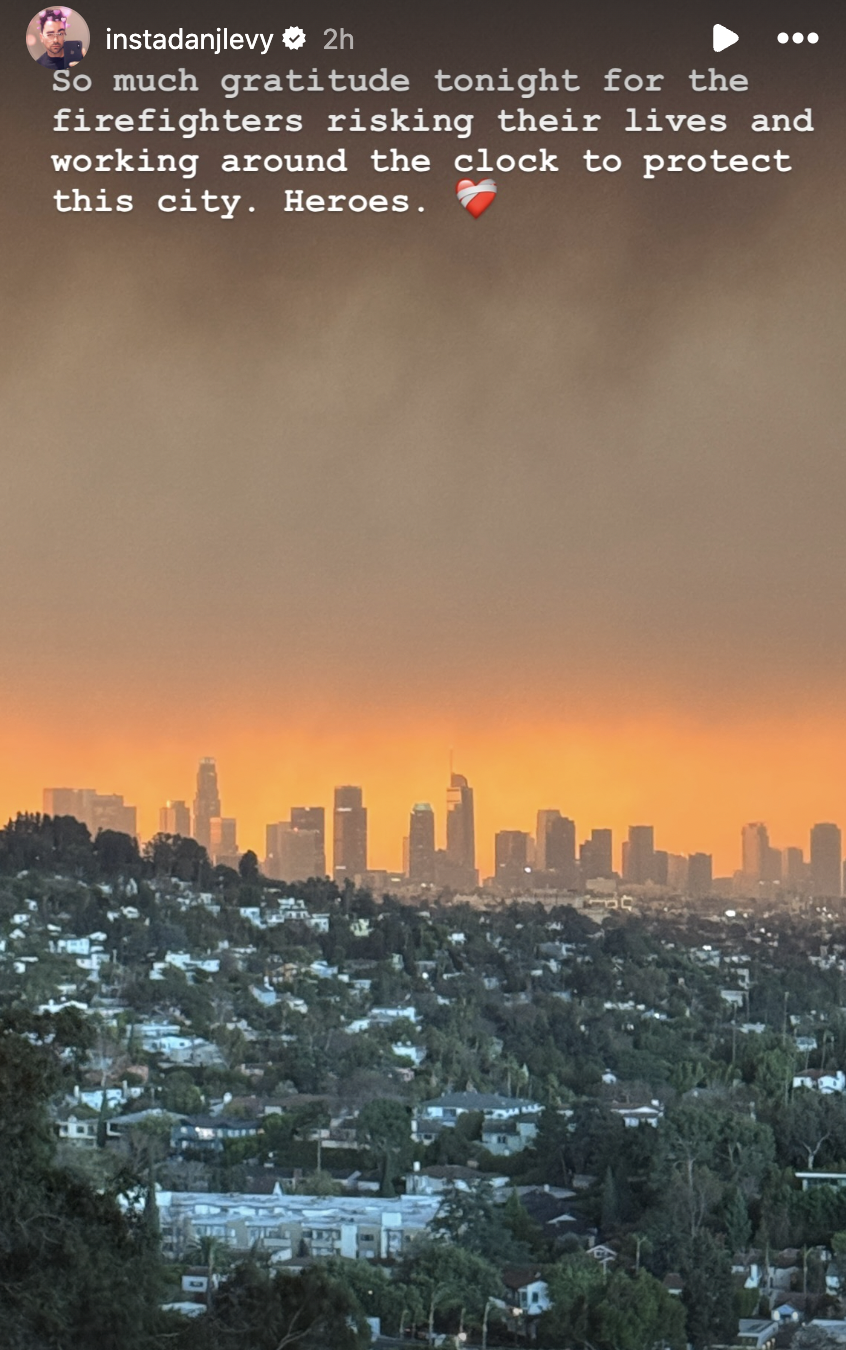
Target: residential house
[[826, 1081], [209, 1133], [503, 1138], [440, 1112], [528, 1289]]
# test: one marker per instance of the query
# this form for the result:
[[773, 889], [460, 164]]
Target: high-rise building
[[293, 854], [461, 831], [175, 818], [826, 861], [223, 841], [76, 802], [421, 845], [555, 848], [794, 872], [110, 813], [206, 802], [511, 854], [761, 862], [639, 863], [699, 874], [678, 871], [312, 818], [545, 819], [596, 857], [349, 845], [97, 810]]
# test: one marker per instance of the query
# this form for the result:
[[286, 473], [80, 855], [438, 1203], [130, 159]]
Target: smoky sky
[[593, 440]]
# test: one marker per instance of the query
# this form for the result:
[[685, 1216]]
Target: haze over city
[[441, 849]]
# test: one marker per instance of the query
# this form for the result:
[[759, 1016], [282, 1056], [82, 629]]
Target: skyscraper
[[640, 855], [560, 849], [678, 872], [545, 819], [206, 802], [175, 818], [76, 802], [794, 873], [511, 853], [755, 844], [223, 841], [97, 810], [699, 874], [349, 845], [312, 818], [596, 856], [421, 844], [294, 854], [461, 830], [826, 860]]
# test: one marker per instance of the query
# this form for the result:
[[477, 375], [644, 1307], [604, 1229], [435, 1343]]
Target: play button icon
[[723, 37]]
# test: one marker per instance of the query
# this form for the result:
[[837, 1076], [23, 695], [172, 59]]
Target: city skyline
[[439, 847]]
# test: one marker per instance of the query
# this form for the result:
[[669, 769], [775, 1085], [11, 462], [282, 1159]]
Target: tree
[[469, 1218], [376, 1293], [708, 1293], [735, 1220], [575, 1283], [447, 1277], [385, 1126], [248, 867], [181, 1094], [254, 1310], [74, 1269], [623, 1312], [637, 1313], [214, 1256], [117, 853]]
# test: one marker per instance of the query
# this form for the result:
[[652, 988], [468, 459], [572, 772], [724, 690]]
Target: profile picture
[[57, 37]]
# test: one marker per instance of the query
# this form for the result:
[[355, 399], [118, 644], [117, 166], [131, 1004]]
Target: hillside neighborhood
[[554, 1123]]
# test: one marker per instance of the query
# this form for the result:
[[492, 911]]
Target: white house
[[826, 1081], [529, 1291], [440, 1112]]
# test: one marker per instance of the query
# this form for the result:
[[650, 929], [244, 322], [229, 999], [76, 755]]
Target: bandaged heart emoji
[[475, 197]]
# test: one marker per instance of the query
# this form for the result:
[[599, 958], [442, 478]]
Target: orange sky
[[696, 782]]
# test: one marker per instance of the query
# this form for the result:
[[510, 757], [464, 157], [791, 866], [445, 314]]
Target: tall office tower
[[74, 802], [755, 844], [793, 869], [699, 874], [678, 872], [175, 818], [421, 844], [596, 855], [660, 863], [206, 802], [223, 841], [108, 812], [545, 819], [561, 849], [97, 810], [349, 845], [312, 818], [293, 854], [555, 849], [826, 861], [639, 864], [461, 831], [511, 855]]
